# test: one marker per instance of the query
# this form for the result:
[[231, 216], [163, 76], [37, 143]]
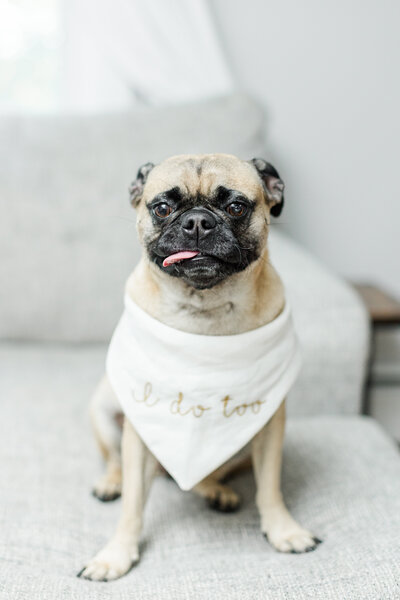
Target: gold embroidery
[[147, 392], [240, 409], [177, 409], [197, 410]]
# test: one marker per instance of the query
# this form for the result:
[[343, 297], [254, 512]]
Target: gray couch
[[67, 243]]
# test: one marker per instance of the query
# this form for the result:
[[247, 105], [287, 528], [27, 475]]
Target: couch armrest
[[333, 328]]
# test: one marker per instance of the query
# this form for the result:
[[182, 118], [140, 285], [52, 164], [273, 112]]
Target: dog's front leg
[[282, 531], [138, 469]]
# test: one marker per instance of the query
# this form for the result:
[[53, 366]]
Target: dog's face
[[203, 218]]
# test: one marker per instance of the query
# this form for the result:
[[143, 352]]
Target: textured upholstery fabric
[[341, 478]]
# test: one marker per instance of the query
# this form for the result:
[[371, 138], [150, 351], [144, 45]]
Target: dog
[[213, 213]]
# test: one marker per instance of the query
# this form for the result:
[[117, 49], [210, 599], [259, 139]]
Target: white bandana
[[196, 400]]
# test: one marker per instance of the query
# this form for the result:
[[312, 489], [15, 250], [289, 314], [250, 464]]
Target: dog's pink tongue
[[173, 258]]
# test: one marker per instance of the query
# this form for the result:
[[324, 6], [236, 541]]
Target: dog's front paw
[[295, 540], [110, 563]]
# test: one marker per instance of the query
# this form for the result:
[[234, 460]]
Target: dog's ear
[[273, 185], [137, 186]]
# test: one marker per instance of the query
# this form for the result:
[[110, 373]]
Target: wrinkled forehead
[[201, 175]]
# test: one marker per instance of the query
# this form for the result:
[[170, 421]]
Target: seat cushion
[[341, 479]]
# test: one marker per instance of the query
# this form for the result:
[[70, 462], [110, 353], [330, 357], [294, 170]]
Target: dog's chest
[[196, 312], [199, 318]]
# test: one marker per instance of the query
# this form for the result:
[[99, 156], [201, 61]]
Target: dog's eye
[[236, 209], [162, 210]]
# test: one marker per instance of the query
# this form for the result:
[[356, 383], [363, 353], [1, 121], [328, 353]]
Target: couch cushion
[[67, 232], [333, 328], [341, 478]]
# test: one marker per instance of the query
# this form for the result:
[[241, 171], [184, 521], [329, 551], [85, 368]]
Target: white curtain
[[152, 51]]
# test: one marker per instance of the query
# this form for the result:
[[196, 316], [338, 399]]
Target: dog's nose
[[198, 222]]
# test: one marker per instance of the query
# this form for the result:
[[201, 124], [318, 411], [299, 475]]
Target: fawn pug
[[203, 302]]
